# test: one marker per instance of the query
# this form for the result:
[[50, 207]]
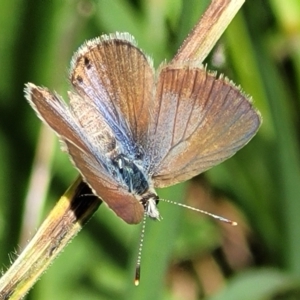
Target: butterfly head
[[149, 201]]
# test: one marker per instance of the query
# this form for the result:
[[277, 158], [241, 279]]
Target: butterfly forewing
[[114, 74], [203, 120]]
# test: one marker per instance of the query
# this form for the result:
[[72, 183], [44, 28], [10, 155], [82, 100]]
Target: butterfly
[[129, 129]]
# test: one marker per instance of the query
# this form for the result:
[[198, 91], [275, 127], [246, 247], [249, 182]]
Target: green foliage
[[260, 51]]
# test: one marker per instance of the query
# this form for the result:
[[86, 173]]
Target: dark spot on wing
[[87, 63], [79, 79]]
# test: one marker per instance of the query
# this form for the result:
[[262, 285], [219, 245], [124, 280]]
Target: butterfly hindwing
[[95, 168]]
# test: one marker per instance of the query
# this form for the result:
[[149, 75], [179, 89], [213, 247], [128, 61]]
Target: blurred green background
[[186, 255]]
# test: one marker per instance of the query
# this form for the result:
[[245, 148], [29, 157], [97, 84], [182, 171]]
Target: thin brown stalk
[[208, 30]]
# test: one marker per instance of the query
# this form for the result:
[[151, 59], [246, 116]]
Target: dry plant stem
[[63, 223], [208, 30]]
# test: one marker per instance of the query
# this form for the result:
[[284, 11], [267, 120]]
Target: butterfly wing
[[198, 121], [118, 78], [93, 166]]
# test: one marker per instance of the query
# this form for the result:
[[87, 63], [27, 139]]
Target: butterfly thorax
[[130, 174]]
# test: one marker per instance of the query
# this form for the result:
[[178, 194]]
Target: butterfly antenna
[[219, 218], [139, 258]]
